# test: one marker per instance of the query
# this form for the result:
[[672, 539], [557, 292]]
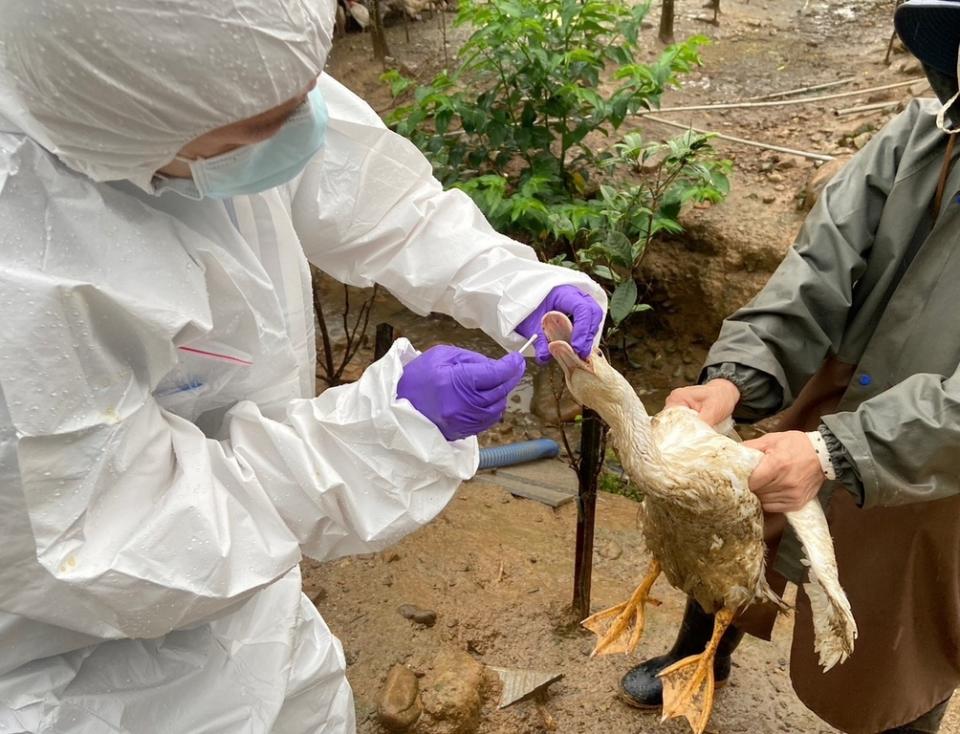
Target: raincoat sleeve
[[904, 440], [760, 395], [799, 317], [138, 522], [369, 210]]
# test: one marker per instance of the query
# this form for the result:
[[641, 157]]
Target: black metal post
[[591, 459], [383, 340]]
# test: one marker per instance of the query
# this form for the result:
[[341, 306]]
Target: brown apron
[[900, 567]]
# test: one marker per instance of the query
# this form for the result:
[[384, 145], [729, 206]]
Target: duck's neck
[[633, 439]]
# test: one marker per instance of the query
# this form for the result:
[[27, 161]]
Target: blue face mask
[[261, 166]]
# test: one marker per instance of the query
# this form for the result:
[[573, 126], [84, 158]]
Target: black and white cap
[[931, 30]]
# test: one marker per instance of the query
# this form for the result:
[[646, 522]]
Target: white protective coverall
[[163, 459]]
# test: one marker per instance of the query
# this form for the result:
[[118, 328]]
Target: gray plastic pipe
[[494, 457]]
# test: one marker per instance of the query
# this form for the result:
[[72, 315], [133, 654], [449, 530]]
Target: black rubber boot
[[641, 687], [929, 723]]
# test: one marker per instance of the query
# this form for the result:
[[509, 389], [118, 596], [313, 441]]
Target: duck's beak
[[568, 360], [558, 330], [557, 327]]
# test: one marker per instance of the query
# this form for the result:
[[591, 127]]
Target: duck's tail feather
[[767, 594]]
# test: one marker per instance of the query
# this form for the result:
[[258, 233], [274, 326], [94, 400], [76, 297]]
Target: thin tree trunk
[[325, 359], [666, 21], [380, 49], [384, 340], [442, 7]]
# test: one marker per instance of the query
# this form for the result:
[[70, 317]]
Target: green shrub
[[520, 127]]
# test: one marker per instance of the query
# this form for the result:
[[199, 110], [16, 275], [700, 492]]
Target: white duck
[[702, 525]]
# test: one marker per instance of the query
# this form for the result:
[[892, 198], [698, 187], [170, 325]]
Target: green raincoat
[[874, 283]]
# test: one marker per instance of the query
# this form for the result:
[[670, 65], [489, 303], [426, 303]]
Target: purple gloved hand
[[461, 392], [586, 314]]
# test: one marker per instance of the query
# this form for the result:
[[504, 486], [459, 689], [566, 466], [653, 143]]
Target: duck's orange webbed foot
[[621, 627], [688, 684]]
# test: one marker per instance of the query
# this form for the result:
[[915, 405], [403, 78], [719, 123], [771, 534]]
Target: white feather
[[834, 628], [360, 14]]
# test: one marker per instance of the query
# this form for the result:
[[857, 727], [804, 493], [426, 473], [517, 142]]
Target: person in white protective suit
[[167, 170]]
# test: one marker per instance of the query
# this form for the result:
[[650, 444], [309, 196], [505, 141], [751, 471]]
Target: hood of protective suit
[[115, 88]]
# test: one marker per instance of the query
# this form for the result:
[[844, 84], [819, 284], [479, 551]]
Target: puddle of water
[[521, 398]]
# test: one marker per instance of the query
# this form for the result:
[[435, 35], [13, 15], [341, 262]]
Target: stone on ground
[[399, 707], [451, 694], [819, 179]]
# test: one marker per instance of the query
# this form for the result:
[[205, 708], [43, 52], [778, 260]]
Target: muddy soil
[[497, 569]]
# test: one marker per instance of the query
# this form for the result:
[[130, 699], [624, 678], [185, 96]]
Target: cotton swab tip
[[529, 341]]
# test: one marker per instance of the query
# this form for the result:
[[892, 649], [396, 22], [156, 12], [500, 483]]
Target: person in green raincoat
[[855, 341]]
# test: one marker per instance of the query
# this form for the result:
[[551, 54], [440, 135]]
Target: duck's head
[[592, 382]]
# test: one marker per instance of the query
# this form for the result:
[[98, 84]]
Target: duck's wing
[[748, 460], [834, 628], [727, 428]]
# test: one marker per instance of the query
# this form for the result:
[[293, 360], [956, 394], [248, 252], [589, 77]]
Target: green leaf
[[623, 300], [529, 115], [670, 209], [398, 83], [442, 120], [602, 271], [621, 249]]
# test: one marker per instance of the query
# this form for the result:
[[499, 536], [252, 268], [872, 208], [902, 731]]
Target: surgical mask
[[261, 166]]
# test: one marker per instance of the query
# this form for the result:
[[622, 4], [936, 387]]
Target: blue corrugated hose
[[518, 453]]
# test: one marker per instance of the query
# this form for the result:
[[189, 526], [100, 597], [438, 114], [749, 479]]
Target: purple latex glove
[[461, 392], [586, 314]]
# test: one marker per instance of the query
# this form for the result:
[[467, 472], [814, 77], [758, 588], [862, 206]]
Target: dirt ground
[[496, 569]]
